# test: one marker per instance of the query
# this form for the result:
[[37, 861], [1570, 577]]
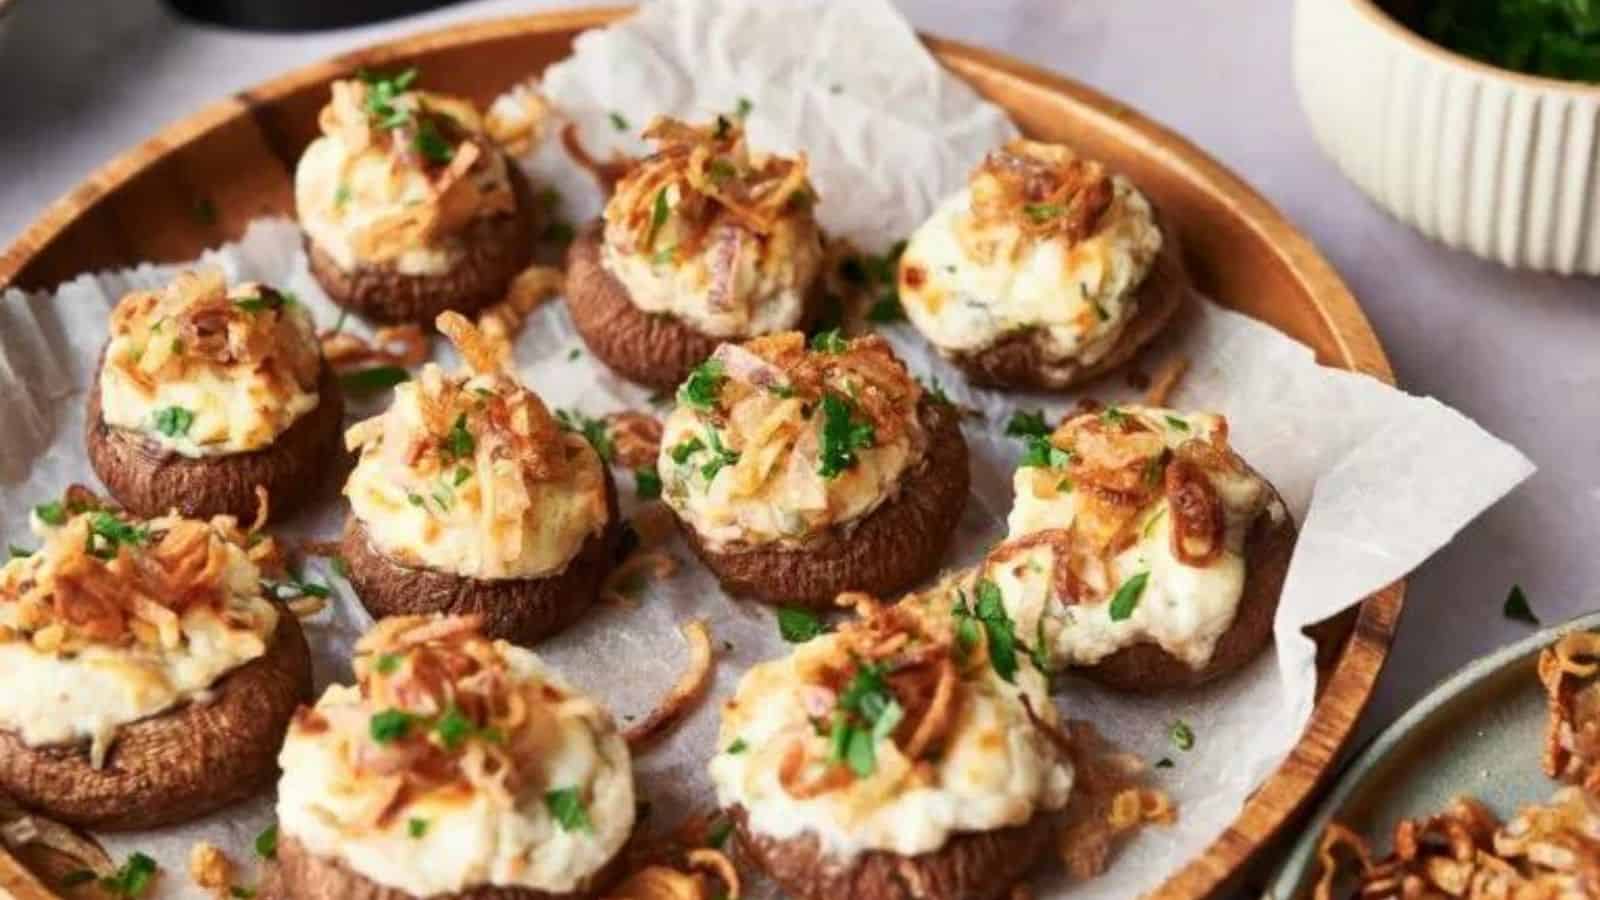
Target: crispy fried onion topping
[[483, 435], [391, 345], [105, 577], [441, 707], [1111, 799], [678, 865], [197, 324], [703, 178], [441, 137], [45, 846], [769, 391], [1046, 190], [636, 437], [685, 693], [1570, 673], [521, 118], [528, 291], [892, 678], [1548, 852], [1118, 466]]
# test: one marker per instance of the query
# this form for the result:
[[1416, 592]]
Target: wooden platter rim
[[1348, 687]]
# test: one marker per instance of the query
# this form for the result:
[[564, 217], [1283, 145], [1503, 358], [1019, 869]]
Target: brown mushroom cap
[[1017, 361], [652, 349], [522, 610], [496, 248], [895, 546], [149, 481], [972, 866], [177, 765], [1146, 667], [298, 874]]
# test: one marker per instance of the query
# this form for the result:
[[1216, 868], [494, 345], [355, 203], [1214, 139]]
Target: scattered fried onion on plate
[[690, 687]]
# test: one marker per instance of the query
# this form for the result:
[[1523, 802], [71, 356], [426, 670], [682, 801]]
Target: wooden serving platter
[[202, 180]]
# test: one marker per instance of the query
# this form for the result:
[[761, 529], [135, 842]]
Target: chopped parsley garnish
[[1043, 212], [290, 588], [797, 625], [738, 746], [417, 827], [703, 385], [830, 341], [721, 169], [52, 513], [390, 725], [559, 233], [743, 109], [717, 834], [375, 378], [107, 533], [133, 878], [573, 354], [1517, 608], [664, 256], [242, 892], [721, 456], [593, 430], [1164, 762], [886, 309], [1028, 424], [1041, 452], [867, 713], [267, 842], [566, 807], [1113, 416], [1177, 424], [998, 627], [842, 435], [18, 552], [453, 728], [414, 499], [658, 217], [432, 144], [1182, 735], [681, 451], [341, 568], [935, 391], [647, 482], [459, 441], [389, 663], [174, 421], [460, 477], [267, 299], [341, 196], [1127, 597], [382, 90], [617, 121]]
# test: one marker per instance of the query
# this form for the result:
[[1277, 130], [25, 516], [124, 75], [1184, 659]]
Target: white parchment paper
[[1378, 479]]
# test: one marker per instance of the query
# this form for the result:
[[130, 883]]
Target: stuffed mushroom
[[798, 472], [1142, 549], [150, 674], [469, 497], [906, 755], [205, 394], [408, 207], [457, 767], [1044, 272], [704, 241]]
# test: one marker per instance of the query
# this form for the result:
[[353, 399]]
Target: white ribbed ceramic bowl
[[1501, 164]]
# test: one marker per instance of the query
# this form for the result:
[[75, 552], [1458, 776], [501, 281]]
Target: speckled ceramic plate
[[1480, 732]]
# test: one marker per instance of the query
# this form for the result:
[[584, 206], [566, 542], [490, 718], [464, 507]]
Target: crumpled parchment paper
[[1377, 478]]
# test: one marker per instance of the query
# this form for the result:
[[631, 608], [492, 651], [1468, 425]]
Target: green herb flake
[[721, 456], [744, 108], [173, 421], [459, 441], [1041, 452], [658, 217], [375, 378], [830, 341], [1113, 416], [52, 513], [417, 828], [998, 628], [721, 169], [566, 807], [18, 552], [595, 431], [1127, 597], [718, 832], [267, 299], [647, 482], [738, 746], [1043, 212], [267, 842], [842, 435], [1165, 762], [1182, 735], [242, 892], [798, 625], [617, 121], [432, 144], [390, 725], [664, 256], [681, 451], [704, 384], [934, 391], [133, 878], [574, 354], [559, 233], [1516, 607], [886, 310], [1028, 423], [341, 196], [107, 533], [453, 728], [1177, 424], [389, 663], [460, 477]]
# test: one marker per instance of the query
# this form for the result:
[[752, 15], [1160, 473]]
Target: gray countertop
[[1519, 353]]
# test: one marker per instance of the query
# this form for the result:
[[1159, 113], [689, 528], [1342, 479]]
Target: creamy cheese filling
[[364, 204], [453, 519], [738, 285], [84, 690], [457, 838], [204, 409], [1183, 608], [1075, 300], [996, 770]]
